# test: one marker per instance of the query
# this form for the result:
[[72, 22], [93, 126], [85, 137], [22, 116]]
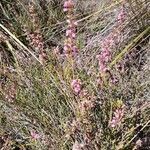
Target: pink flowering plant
[[74, 75], [117, 117], [76, 86], [34, 135], [70, 47]]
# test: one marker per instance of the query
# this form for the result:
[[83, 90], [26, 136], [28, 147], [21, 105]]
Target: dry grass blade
[[129, 47], [19, 42]]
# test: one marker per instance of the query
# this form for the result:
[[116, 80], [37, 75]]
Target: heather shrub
[[74, 75]]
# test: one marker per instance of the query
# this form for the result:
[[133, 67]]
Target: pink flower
[[121, 16], [102, 62], [103, 68], [70, 47], [68, 5], [118, 115], [65, 9], [34, 135], [73, 35], [74, 50], [105, 56], [76, 86], [68, 32], [66, 48], [77, 146]]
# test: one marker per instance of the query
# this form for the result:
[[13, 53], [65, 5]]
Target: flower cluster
[[36, 41], [70, 47], [68, 5], [34, 135], [76, 86], [78, 146], [118, 114], [121, 16], [87, 102], [105, 55], [84, 107], [35, 37], [33, 16], [109, 43]]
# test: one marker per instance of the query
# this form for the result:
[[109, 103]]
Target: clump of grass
[[50, 101]]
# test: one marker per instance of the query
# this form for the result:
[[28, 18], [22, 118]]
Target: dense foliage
[[74, 75]]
